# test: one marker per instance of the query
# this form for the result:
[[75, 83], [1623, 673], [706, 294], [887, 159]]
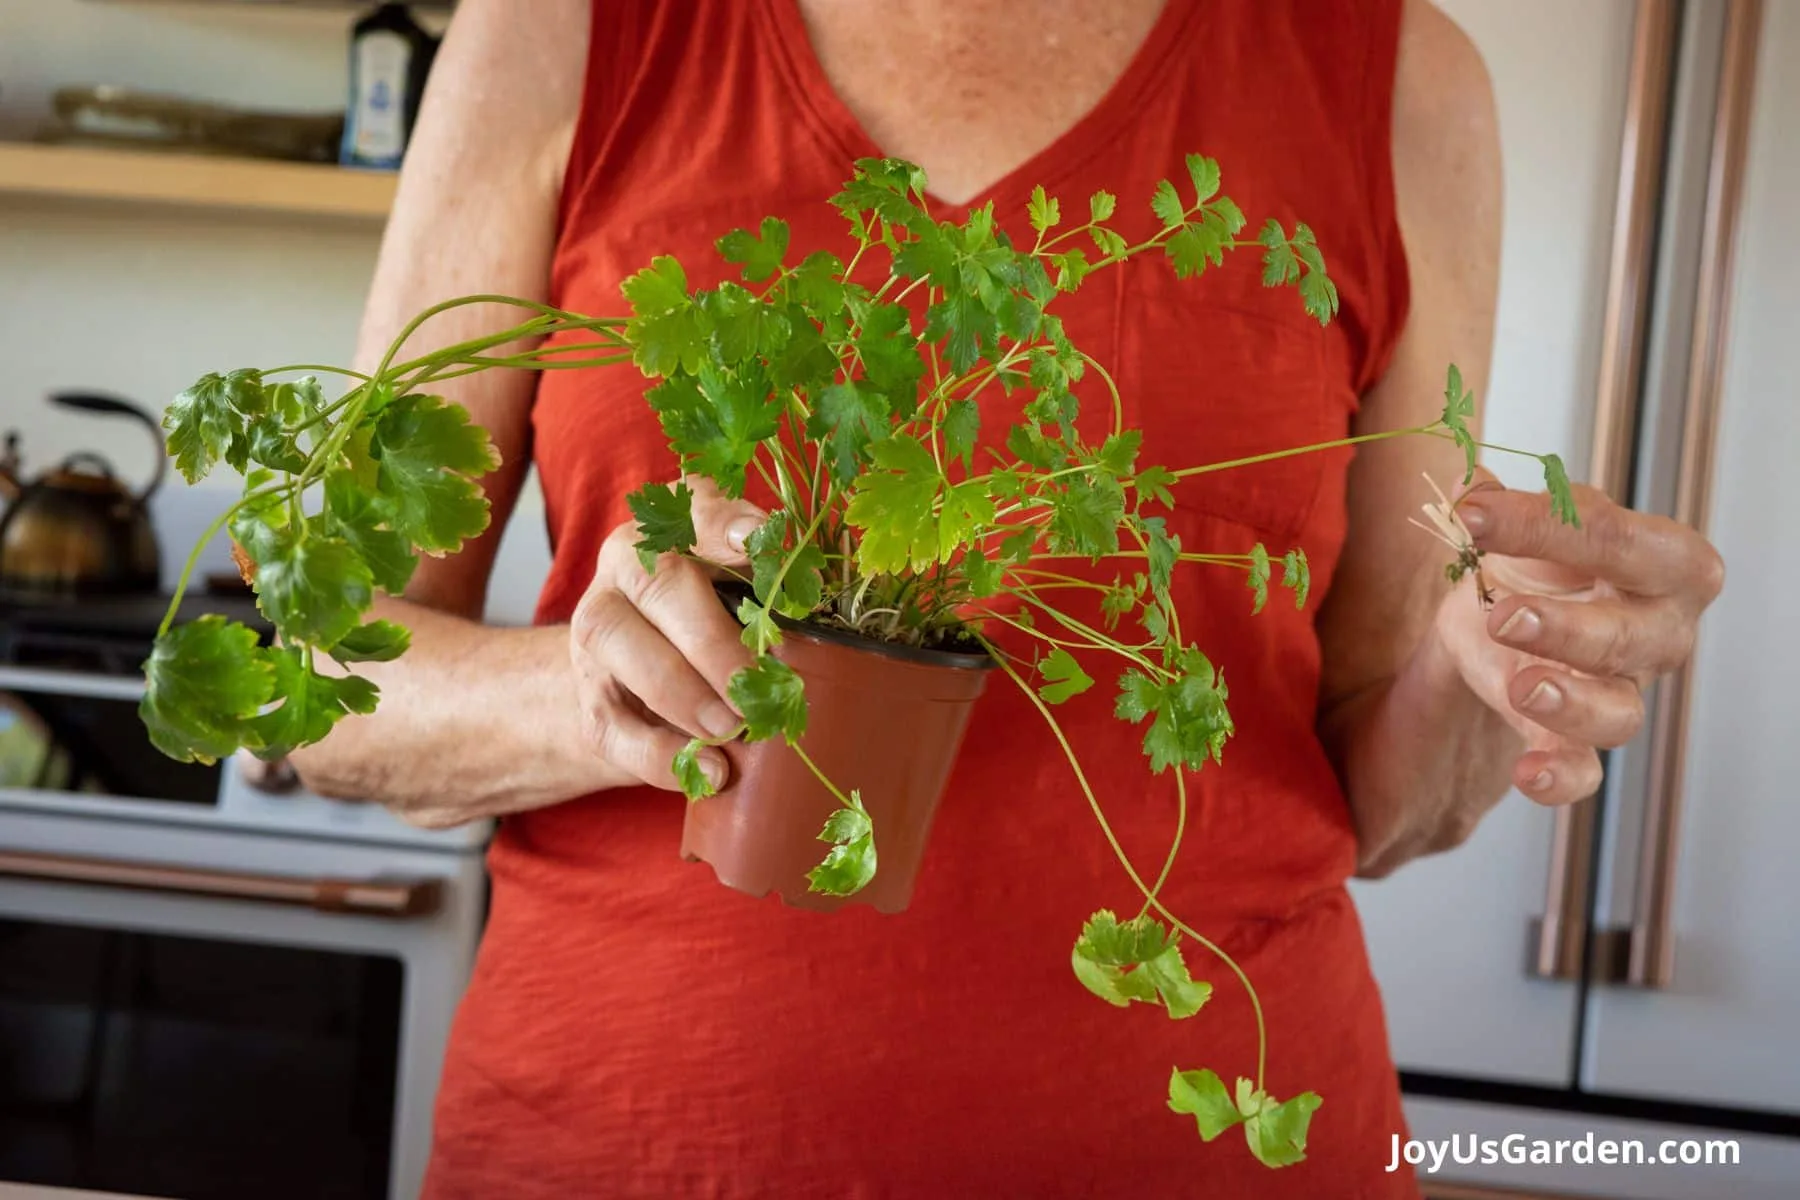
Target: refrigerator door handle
[[1560, 937], [1643, 954]]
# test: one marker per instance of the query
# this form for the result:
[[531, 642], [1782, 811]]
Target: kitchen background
[[129, 273]]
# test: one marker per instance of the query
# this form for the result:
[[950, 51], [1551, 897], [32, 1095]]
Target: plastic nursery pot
[[883, 719]]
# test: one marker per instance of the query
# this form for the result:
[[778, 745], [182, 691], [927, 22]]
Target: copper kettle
[[76, 530]]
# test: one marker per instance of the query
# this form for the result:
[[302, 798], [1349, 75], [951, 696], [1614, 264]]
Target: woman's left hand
[[1584, 619]]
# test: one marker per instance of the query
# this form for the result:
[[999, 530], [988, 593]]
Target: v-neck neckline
[[1094, 129]]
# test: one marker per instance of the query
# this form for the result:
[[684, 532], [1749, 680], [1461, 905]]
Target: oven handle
[[378, 897]]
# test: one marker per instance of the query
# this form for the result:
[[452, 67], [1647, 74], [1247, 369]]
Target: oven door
[[200, 1014]]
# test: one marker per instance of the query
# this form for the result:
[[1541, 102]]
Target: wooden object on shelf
[[194, 181]]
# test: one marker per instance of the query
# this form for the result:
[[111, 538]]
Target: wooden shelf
[[197, 181]]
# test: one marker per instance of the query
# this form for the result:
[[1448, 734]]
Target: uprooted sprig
[[915, 415]]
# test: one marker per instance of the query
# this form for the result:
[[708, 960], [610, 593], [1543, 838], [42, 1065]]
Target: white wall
[[141, 301]]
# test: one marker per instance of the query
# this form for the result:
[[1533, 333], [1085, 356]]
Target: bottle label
[[380, 117]]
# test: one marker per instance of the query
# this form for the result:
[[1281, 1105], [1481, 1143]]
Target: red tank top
[[634, 1028]]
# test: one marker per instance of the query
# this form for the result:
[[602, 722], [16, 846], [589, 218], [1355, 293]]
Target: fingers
[[1645, 554], [618, 643], [1602, 636], [1557, 777], [1591, 712], [721, 524], [646, 750], [679, 601]]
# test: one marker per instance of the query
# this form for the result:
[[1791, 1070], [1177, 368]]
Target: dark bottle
[[390, 56]]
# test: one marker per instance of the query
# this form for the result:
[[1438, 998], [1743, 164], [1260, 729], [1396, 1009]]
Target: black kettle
[[76, 530]]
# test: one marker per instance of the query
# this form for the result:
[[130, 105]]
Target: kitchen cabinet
[[1645, 324]]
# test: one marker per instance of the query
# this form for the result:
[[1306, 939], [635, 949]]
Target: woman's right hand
[[653, 652]]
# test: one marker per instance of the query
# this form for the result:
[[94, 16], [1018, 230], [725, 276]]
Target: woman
[[635, 1029]]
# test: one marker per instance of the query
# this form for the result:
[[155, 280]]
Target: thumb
[[722, 525]]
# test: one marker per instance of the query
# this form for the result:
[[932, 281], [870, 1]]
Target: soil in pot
[[883, 719]]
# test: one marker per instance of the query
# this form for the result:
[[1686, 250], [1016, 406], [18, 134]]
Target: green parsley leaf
[[1189, 719], [1120, 599], [1562, 497], [772, 699], [801, 587], [817, 284], [666, 332], [1118, 453], [274, 447], [1043, 210], [665, 518], [1109, 243], [1318, 294], [848, 417], [1085, 516], [1136, 960], [203, 684], [1101, 205], [894, 508], [1459, 407], [1071, 268], [357, 517], [375, 641], [1203, 1094], [1259, 575], [982, 574], [962, 425], [205, 423], [1280, 265], [428, 452], [890, 355], [1277, 1132], [686, 768], [1063, 677], [851, 864], [1166, 204], [966, 513], [1163, 552], [1153, 483], [1204, 172], [311, 704], [742, 326], [1295, 574], [759, 255], [314, 588], [716, 421], [761, 633]]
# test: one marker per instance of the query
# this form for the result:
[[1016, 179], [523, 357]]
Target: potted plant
[[901, 542]]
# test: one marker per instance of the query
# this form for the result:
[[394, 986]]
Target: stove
[[207, 989]]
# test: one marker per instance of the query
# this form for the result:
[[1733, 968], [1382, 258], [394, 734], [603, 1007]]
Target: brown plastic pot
[[885, 720]]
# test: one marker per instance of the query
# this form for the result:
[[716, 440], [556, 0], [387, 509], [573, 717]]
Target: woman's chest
[[971, 89]]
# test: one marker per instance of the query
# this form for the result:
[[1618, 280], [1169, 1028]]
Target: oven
[[207, 989]]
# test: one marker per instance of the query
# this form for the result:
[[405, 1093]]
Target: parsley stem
[[1262, 1036], [820, 775], [1118, 405], [289, 370], [1181, 811], [1096, 639], [1315, 448]]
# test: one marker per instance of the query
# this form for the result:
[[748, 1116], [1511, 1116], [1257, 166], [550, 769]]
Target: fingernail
[[1522, 626], [1542, 781], [738, 532], [1473, 518], [712, 765], [718, 720], [1545, 697]]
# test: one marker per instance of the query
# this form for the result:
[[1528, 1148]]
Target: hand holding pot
[[653, 652]]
